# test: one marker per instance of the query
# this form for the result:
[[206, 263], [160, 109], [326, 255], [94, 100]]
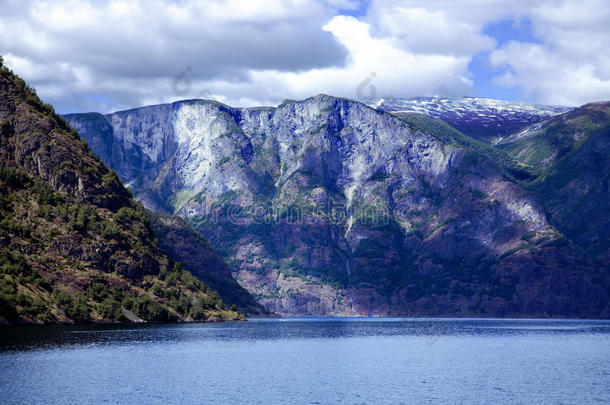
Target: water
[[310, 361]]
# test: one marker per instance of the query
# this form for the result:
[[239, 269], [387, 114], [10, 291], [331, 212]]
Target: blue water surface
[[310, 361]]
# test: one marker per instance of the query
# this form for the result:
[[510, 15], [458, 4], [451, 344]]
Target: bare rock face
[[329, 207]]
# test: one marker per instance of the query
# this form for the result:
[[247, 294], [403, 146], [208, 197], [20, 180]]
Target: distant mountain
[[329, 207], [74, 245], [484, 119], [544, 144]]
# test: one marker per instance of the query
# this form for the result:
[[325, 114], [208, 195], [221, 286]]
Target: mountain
[[484, 119], [542, 145], [183, 244], [74, 244], [329, 207], [571, 156]]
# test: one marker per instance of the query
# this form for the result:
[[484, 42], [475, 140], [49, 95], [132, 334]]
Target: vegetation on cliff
[[571, 155], [74, 244]]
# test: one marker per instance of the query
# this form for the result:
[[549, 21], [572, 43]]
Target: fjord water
[[310, 361]]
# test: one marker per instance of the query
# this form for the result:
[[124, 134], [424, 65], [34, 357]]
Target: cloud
[[570, 64], [375, 68], [107, 55], [147, 38], [428, 30], [94, 46]]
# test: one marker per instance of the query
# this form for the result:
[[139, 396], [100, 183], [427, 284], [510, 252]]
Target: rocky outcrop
[[327, 206]]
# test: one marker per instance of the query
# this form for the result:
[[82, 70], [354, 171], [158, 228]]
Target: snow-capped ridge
[[483, 118]]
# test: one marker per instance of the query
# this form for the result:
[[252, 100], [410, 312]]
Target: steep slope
[[570, 159], [576, 193], [542, 145], [74, 245], [327, 206], [484, 119], [183, 244], [570, 154]]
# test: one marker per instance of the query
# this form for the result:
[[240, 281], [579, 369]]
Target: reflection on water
[[309, 360], [36, 337]]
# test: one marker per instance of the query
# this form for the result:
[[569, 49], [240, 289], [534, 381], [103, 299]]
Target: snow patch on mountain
[[483, 118]]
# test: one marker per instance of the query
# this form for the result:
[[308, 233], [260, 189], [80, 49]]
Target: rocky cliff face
[[74, 245], [327, 206]]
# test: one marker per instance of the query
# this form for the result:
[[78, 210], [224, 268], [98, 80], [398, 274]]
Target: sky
[[110, 55]]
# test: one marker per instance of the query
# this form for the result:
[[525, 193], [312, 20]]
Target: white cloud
[[375, 68], [146, 42], [107, 55], [420, 30], [571, 64]]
